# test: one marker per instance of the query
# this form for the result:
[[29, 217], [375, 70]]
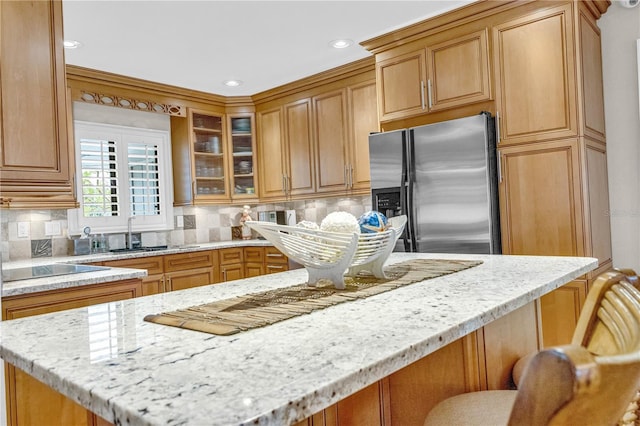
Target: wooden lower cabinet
[[234, 271], [182, 280], [231, 263], [275, 261], [481, 360], [23, 391], [560, 312], [254, 261], [252, 269], [153, 283]]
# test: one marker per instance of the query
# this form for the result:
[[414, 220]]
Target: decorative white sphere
[[307, 224], [340, 222]]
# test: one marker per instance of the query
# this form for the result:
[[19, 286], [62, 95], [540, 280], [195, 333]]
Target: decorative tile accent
[[41, 248], [189, 221]]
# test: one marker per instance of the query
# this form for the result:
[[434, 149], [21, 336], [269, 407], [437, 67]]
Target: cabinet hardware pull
[[274, 255], [275, 267], [284, 183], [346, 176], [422, 93], [498, 127], [351, 175], [224, 275], [499, 166], [429, 93], [288, 184]]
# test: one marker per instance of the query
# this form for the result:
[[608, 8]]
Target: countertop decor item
[[328, 255], [230, 316]]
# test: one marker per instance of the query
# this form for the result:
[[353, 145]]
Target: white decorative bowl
[[329, 255]]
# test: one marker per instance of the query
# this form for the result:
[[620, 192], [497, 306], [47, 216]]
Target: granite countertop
[[35, 285], [275, 375]]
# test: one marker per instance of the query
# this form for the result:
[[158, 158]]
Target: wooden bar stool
[[589, 382]]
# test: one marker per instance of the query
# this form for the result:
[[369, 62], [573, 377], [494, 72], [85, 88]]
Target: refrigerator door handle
[[410, 212]]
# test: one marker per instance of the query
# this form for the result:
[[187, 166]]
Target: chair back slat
[[591, 381]]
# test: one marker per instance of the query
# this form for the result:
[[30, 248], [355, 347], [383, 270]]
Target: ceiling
[[199, 44]]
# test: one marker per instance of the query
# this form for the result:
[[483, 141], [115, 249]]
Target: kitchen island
[[143, 373]]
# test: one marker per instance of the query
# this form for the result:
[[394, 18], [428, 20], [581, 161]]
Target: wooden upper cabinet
[[450, 71], [536, 76], [331, 129], [363, 117], [36, 163], [285, 147], [299, 143], [242, 154], [271, 154], [541, 208], [458, 71], [401, 86], [201, 159], [592, 85]]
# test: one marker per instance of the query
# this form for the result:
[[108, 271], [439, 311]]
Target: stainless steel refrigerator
[[443, 176]]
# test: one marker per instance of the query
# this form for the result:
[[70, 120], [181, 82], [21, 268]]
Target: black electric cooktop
[[44, 271]]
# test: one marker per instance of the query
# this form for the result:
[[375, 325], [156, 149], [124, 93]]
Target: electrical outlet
[[24, 229]]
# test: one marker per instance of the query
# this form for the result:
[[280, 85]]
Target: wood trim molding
[[334, 74], [457, 17], [77, 75], [131, 103]]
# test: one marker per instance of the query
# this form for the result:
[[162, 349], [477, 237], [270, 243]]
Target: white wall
[[620, 29]]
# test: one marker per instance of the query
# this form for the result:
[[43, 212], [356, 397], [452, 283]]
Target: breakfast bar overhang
[[129, 371]]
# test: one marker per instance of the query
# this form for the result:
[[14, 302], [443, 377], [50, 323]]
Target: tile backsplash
[[26, 234]]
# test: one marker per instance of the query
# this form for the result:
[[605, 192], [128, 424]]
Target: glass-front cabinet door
[[243, 182], [208, 157]]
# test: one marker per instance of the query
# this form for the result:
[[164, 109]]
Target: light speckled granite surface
[[114, 274], [143, 373]]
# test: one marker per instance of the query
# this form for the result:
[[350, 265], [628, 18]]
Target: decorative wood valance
[[131, 103]]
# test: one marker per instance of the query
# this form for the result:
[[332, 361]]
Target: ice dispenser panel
[[387, 201]]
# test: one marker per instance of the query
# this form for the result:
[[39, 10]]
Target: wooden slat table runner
[[242, 313]]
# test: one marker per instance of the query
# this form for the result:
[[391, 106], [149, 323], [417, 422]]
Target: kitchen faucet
[[129, 239]]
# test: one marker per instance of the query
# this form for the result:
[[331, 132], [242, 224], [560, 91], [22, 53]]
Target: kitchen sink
[[136, 249]]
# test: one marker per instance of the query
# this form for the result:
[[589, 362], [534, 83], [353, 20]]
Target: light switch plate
[[23, 229], [52, 228], [180, 221]]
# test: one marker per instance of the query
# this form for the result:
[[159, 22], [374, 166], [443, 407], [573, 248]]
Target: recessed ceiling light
[[232, 83], [71, 44], [341, 43]]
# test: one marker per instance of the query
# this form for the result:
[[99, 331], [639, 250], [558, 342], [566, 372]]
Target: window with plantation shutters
[[99, 177], [122, 172]]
